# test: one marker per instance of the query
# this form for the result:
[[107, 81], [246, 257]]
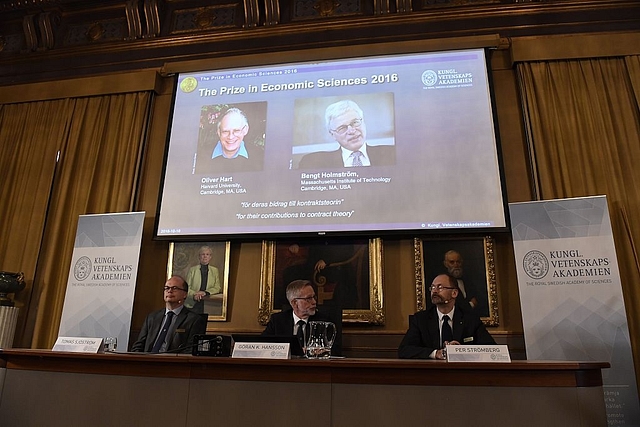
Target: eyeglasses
[[439, 288], [309, 299], [174, 288], [235, 132], [341, 130]]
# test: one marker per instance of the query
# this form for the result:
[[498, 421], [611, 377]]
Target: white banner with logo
[[570, 293], [102, 277]]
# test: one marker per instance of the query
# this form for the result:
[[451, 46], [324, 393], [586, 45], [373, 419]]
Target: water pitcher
[[320, 339]]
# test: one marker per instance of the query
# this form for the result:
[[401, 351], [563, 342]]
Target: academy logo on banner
[[571, 296], [101, 285]]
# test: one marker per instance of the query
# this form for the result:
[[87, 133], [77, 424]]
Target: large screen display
[[390, 143]]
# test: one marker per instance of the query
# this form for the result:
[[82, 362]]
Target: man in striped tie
[[345, 123]]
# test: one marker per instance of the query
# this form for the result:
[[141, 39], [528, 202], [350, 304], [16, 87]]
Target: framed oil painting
[[346, 274], [205, 267], [470, 260]]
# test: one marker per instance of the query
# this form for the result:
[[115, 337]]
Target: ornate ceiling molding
[[45, 39]]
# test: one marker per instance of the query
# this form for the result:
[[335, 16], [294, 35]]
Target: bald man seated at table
[[443, 323]]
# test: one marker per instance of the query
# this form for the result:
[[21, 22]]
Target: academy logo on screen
[[449, 78], [82, 269], [535, 264]]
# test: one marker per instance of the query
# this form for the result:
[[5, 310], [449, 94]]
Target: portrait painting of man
[[470, 262]]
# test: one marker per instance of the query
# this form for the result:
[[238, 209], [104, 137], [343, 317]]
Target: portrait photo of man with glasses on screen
[[346, 125], [238, 148]]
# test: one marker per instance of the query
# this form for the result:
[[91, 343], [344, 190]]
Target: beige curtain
[[583, 120], [30, 137], [100, 143]]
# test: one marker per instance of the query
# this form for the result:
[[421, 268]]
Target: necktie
[[300, 333], [163, 332], [447, 333], [356, 158]]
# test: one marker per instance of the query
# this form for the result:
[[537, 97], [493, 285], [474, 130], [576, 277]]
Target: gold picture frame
[[360, 259], [184, 257], [478, 267]]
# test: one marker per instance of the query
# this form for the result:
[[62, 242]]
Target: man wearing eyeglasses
[[170, 330], [232, 153], [444, 323], [303, 300], [346, 125]]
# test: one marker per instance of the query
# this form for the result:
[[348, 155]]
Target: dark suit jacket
[[423, 335], [379, 155], [281, 324], [188, 324]]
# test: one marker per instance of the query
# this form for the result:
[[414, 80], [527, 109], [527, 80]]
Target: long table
[[72, 389]]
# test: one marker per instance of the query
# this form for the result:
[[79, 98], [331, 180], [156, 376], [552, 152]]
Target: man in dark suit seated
[[345, 123], [443, 323], [303, 300], [171, 330]]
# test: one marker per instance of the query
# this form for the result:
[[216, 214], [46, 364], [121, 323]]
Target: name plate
[[262, 350], [478, 353], [78, 344]]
